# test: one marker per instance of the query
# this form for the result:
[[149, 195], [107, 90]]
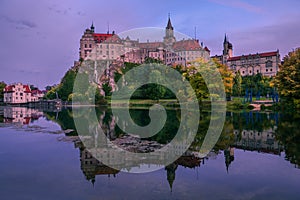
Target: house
[[19, 93]]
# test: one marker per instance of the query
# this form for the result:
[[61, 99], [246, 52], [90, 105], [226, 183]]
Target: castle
[[113, 51], [169, 50], [266, 63]]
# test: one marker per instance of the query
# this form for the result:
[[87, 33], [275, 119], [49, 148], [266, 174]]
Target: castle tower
[[227, 48], [171, 169], [93, 28], [169, 38]]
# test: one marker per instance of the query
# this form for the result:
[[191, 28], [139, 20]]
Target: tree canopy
[[287, 80], [2, 86]]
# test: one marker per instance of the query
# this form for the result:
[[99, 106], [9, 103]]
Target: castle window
[[90, 45], [271, 69], [257, 71], [85, 45], [250, 71], [243, 72], [267, 70], [269, 63]]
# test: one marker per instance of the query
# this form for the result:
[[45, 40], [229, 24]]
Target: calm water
[[257, 157]]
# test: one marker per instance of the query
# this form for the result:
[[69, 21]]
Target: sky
[[40, 38]]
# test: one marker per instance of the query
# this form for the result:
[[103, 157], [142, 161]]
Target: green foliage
[[288, 78], [149, 91], [258, 84], [149, 60], [107, 89], [2, 86], [124, 70], [66, 85], [227, 77], [84, 89], [289, 136], [237, 84], [211, 70]]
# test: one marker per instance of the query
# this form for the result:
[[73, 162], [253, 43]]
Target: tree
[[287, 80], [32, 87], [237, 84], [211, 70], [66, 86], [2, 86], [107, 89], [227, 77]]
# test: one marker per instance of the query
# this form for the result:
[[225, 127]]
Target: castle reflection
[[270, 133]]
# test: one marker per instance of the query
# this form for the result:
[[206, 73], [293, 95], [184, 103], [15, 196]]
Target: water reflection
[[271, 133], [268, 133], [92, 167], [20, 115]]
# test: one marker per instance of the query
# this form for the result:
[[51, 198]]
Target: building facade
[[266, 63], [169, 51], [19, 93], [110, 51]]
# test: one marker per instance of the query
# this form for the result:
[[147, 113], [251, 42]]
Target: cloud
[[65, 11], [238, 4], [282, 36], [21, 24]]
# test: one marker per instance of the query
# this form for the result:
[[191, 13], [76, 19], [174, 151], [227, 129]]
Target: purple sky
[[40, 38]]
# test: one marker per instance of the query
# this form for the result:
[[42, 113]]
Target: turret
[[169, 38], [227, 48], [92, 28]]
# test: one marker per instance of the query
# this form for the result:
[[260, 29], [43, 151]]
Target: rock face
[[137, 145]]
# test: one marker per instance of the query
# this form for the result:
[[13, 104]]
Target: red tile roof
[[113, 39], [186, 45], [265, 54], [26, 88], [9, 88], [100, 37]]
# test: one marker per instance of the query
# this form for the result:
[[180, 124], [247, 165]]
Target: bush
[[250, 107]]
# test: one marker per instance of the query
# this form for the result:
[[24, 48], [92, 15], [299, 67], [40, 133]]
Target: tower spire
[[92, 27], [107, 27], [169, 25], [225, 38]]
